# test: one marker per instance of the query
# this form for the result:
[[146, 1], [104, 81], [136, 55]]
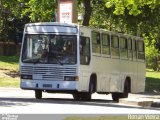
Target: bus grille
[[49, 73]]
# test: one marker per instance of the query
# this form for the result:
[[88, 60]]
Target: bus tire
[[38, 94], [76, 96], [116, 96], [126, 89], [88, 95]]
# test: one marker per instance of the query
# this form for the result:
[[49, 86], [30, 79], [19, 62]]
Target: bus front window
[[51, 49]]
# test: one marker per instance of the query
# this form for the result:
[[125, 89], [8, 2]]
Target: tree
[[133, 6], [88, 11], [152, 53], [6, 15], [40, 10], [11, 21]]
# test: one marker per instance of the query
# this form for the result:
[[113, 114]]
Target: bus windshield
[[50, 49]]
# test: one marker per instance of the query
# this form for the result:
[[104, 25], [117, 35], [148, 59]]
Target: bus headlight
[[71, 78], [26, 77]]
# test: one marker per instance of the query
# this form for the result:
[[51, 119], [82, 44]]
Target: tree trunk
[[88, 11]]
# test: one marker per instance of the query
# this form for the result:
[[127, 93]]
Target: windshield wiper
[[32, 60], [54, 55], [36, 61]]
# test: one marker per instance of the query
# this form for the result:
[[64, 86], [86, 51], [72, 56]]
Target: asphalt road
[[17, 101]]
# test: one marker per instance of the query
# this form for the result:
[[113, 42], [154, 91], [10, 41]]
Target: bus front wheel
[[88, 95], [85, 96], [76, 96], [38, 94]]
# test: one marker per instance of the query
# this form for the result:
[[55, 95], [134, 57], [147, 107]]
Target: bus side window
[[96, 43], [115, 46], [84, 50], [106, 44], [141, 54], [130, 54], [123, 47], [134, 49]]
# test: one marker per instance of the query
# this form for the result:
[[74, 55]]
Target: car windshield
[[50, 49]]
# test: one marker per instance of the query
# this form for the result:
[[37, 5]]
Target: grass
[[152, 81], [9, 82], [9, 65], [116, 117], [112, 117], [123, 117]]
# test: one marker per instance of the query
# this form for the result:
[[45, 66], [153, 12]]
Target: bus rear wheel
[[38, 94], [126, 89], [116, 96]]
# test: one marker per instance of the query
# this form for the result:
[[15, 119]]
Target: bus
[[70, 58]]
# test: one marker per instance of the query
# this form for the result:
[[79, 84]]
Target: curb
[[140, 102]]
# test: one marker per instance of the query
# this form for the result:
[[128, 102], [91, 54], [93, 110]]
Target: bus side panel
[[124, 72], [103, 72], [115, 82], [84, 70], [108, 74], [85, 73], [141, 77], [134, 77]]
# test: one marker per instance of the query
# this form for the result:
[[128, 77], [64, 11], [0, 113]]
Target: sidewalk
[[143, 100]]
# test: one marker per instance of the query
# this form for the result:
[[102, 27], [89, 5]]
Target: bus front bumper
[[49, 85]]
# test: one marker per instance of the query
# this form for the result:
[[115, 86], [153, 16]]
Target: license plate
[[47, 85]]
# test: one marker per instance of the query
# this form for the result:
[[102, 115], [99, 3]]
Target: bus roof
[[47, 27], [81, 26], [51, 23]]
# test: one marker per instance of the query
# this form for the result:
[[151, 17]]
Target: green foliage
[[16, 13], [40, 10], [98, 20], [10, 10], [134, 6], [152, 82], [152, 53]]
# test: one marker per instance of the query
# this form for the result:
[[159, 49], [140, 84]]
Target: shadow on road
[[12, 102]]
